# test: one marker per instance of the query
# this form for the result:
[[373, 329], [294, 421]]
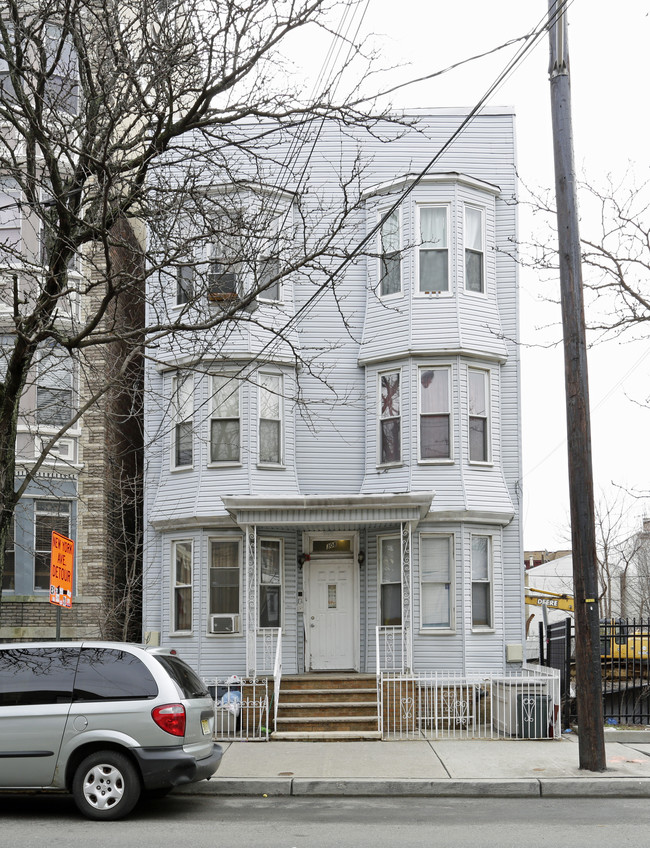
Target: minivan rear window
[[107, 674], [30, 676], [187, 680]]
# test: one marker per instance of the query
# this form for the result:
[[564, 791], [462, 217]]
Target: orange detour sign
[[61, 570]]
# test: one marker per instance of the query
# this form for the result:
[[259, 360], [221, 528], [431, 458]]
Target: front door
[[331, 615]]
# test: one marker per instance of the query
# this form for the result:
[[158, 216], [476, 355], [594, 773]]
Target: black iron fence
[[625, 668]]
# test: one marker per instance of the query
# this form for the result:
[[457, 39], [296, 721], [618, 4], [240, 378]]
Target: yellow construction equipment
[[552, 600]]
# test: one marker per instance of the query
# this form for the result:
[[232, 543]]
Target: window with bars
[[225, 425], [435, 413], [182, 593], [390, 418], [436, 581]]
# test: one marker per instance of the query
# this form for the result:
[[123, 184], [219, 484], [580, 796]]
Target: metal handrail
[[277, 676]]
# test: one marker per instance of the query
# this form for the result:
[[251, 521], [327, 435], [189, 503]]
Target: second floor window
[[474, 259], [433, 253], [479, 395], [435, 435], [390, 263], [390, 418], [270, 432], [54, 391], [9, 220], [225, 424], [183, 400], [184, 284]]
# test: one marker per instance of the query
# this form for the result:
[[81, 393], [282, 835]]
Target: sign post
[[61, 575]]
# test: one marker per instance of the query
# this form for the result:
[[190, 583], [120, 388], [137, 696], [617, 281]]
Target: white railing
[[445, 705], [277, 677], [241, 709], [390, 649], [268, 639]]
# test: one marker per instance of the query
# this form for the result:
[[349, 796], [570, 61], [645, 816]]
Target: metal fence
[[445, 705], [241, 709], [625, 668]]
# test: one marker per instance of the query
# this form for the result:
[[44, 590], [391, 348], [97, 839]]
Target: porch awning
[[337, 509]]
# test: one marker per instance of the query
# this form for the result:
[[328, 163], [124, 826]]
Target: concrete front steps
[[327, 707]]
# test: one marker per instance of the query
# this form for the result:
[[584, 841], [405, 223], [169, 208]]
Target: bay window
[[390, 418], [270, 419], [225, 429], [183, 403], [479, 398], [435, 430], [390, 579], [433, 252], [390, 263], [474, 252], [436, 581], [481, 582]]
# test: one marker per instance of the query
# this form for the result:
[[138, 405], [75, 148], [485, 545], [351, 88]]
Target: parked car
[[105, 720]]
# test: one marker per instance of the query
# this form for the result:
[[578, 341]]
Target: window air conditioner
[[224, 623]]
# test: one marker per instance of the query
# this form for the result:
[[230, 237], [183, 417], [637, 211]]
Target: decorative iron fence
[[445, 705], [241, 710]]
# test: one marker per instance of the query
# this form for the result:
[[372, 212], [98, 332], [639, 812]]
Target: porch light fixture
[[302, 559], [361, 558]]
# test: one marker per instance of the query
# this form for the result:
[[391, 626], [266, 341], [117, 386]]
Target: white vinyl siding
[[481, 581], [433, 249], [436, 582], [182, 586]]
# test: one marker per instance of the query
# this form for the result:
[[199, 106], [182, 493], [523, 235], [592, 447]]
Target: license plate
[[205, 726]]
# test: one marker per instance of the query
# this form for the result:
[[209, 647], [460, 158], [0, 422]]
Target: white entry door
[[331, 616]]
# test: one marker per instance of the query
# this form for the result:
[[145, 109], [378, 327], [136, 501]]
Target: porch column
[[407, 629], [250, 580]]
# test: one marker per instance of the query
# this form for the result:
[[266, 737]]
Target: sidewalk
[[474, 768]]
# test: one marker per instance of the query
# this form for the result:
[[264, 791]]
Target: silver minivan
[[107, 721]]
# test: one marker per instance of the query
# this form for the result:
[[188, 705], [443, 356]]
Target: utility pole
[[581, 487]]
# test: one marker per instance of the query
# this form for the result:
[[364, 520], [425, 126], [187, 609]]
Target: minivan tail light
[[170, 718]]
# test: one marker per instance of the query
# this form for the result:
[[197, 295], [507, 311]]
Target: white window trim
[[239, 632], [274, 236], [450, 274], [264, 463], [70, 534], [172, 629], [428, 629], [380, 256], [483, 628], [487, 378], [432, 367], [380, 582], [177, 420], [224, 463], [481, 210], [259, 577], [400, 461], [177, 277]]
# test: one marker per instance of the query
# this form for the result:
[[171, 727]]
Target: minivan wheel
[[106, 786]]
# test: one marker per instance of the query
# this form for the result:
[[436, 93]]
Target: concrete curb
[[585, 787]]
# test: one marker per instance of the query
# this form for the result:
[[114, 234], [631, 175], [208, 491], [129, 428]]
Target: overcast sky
[[609, 71]]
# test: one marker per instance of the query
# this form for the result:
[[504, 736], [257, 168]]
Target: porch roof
[[334, 509]]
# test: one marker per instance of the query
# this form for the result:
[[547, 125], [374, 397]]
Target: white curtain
[[433, 226]]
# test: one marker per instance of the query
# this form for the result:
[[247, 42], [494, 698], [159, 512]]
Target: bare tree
[[116, 116]]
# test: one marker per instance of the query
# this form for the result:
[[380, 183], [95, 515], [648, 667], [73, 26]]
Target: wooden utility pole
[[581, 488]]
